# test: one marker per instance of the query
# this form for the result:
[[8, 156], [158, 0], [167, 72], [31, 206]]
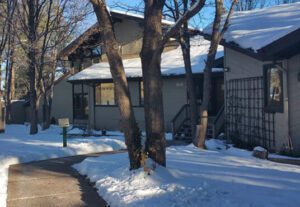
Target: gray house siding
[[62, 104], [174, 97], [294, 101], [129, 31], [243, 66]]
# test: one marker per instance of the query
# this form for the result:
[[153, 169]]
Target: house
[[87, 97], [262, 78]]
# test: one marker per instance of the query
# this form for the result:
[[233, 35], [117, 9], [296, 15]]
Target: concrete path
[[52, 183]]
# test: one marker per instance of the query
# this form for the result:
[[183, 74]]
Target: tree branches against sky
[[137, 6], [199, 21]]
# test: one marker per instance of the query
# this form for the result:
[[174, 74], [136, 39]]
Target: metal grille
[[247, 123]]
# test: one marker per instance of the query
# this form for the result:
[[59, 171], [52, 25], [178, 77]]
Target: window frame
[[268, 107], [139, 104], [103, 105], [81, 115]]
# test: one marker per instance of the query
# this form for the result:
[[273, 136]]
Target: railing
[[182, 115], [219, 121]]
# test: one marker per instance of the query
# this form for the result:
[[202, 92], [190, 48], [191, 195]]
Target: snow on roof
[[127, 13], [171, 63], [258, 28]]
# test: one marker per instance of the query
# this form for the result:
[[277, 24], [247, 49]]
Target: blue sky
[[199, 21], [205, 16]]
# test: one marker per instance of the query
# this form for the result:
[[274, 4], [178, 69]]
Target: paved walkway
[[51, 183]]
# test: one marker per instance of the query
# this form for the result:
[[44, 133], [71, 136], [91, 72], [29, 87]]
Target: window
[[141, 93], [104, 94], [80, 102], [273, 88]]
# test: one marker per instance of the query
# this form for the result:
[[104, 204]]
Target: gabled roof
[[94, 29], [171, 63], [265, 34], [130, 15]]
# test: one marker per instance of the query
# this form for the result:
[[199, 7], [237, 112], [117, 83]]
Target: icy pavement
[[17, 146]]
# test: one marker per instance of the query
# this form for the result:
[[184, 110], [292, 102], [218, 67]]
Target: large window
[[105, 94], [273, 88]]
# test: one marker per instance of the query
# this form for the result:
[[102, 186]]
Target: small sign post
[[64, 124]]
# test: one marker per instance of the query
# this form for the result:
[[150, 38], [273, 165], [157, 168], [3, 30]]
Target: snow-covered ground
[[193, 177], [17, 146]]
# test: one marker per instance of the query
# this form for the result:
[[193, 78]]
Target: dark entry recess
[[80, 104]]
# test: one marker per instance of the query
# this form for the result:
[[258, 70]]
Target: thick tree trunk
[[129, 125], [153, 104], [31, 54], [185, 47]]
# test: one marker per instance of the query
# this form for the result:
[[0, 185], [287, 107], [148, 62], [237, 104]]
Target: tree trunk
[[217, 35], [129, 125], [31, 54], [48, 114], [47, 105], [199, 141], [13, 84], [153, 104], [185, 47], [47, 102], [2, 125], [9, 78]]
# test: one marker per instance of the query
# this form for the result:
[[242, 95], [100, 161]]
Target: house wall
[[127, 31], [129, 34], [62, 104], [174, 97], [108, 117], [18, 112], [294, 101], [243, 66]]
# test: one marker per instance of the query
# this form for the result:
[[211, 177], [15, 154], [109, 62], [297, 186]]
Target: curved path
[[52, 183]]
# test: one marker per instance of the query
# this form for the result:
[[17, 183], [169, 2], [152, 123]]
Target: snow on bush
[[259, 149]]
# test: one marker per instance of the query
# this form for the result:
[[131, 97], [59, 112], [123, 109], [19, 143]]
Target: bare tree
[[7, 9], [218, 31], [44, 27], [244, 5], [9, 76], [153, 45], [129, 124], [33, 13], [176, 9], [61, 18]]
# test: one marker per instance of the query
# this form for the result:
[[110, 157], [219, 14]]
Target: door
[[80, 104]]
